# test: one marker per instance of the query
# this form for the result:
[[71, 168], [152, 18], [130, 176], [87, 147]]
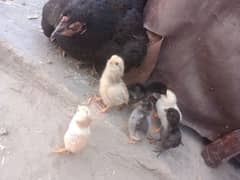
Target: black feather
[[156, 87], [170, 137], [113, 27], [136, 92], [173, 117]]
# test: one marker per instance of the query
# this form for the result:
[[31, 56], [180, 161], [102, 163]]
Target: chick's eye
[[116, 63]]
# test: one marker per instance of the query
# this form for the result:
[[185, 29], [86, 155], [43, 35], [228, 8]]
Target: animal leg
[[94, 99], [156, 130], [93, 71], [151, 140], [103, 110], [90, 99], [132, 141], [60, 150], [154, 115], [149, 137]]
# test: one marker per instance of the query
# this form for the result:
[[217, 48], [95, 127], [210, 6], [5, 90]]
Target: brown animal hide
[[200, 60]]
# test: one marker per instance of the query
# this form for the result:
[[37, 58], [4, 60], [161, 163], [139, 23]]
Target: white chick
[[75, 139], [165, 102]]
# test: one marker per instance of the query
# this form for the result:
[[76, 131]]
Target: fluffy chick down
[[76, 136], [113, 90]]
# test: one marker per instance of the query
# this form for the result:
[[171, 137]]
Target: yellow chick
[[75, 139], [113, 90]]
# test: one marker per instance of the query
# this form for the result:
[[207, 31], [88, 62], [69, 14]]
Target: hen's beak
[[68, 30], [57, 30], [53, 36]]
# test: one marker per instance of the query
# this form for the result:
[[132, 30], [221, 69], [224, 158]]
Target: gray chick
[[139, 121]]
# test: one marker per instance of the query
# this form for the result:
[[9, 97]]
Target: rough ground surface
[[39, 91]]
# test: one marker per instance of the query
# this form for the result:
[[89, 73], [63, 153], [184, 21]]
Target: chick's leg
[[154, 115], [98, 102], [156, 130], [105, 109], [151, 139], [93, 71], [60, 150], [94, 98], [132, 141]]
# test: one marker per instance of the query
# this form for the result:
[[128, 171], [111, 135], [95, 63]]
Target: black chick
[[171, 138], [136, 92], [152, 91], [170, 117], [156, 87], [94, 30]]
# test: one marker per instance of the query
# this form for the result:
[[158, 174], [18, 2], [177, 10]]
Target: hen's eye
[[73, 27], [66, 13], [116, 63]]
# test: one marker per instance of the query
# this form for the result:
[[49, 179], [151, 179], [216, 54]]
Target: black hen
[[93, 30]]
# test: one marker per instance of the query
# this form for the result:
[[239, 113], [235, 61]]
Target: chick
[[139, 121], [75, 139], [136, 92], [170, 117], [156, 87], [149, 92], [140, 91], [154, 90], [113, 90]]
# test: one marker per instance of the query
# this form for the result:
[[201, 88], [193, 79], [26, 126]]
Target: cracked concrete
[[39, 91]]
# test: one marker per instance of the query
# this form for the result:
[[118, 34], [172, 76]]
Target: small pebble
[[3, 160], [33, 17], [3, 132], [113, 173], [49, 62], [2, 147]]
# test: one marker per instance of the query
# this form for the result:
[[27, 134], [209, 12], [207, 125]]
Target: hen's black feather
[[113, 27]]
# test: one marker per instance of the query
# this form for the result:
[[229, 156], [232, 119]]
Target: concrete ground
[[39, 92]]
